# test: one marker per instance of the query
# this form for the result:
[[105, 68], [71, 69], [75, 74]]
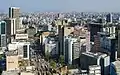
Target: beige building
[[61, 22], [42, 37], [12, 63], [68, 30]]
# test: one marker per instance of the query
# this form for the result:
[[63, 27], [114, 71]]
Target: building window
[[25, 51], [2, 28], [0, 40], [3, 41]]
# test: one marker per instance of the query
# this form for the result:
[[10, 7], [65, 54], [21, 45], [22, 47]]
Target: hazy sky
[[62, 5]]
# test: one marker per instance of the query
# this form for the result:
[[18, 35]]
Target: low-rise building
[[23, 49], [12, 62]]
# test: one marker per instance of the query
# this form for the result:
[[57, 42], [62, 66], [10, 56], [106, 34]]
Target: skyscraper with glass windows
[[3, 34], [14, 12]]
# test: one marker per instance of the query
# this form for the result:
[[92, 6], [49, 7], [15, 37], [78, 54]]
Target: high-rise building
[[88, 59], [11, 28], [3, 34], [94, 29], [109, 18], [14, 12], [96, 44], [69, 49], [63, 32], [108, 45], [10, 25], [118, 51]]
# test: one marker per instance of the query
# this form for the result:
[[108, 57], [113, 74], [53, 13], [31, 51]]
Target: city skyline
[[62, 5]]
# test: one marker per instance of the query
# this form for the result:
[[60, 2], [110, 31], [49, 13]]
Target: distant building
[[110, 29], [10, 26], [94, 29], [3, 39], [97, 47], [109, 18], [83, 35], [108, 45]]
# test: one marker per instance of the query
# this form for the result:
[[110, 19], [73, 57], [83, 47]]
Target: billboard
[[21, 36]]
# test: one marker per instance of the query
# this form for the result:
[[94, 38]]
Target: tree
[[1, 56], [61, 60], [52, 63], [0, 70], [47, 56]]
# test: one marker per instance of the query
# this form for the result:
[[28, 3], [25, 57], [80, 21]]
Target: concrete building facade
[[12, 63]]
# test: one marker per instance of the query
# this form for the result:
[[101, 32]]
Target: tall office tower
[[97, 44], [94, 29], [63, 32], [10, 25], [14, 12], [69, 49], [118, 51], [11, 29], [109, 18], [3, 34]]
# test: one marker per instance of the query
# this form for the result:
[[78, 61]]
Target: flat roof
[[15, 7], [95, 55]]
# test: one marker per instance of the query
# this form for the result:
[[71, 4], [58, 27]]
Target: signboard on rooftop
[[21, 36]]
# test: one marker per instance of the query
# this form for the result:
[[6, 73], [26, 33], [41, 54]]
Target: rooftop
[[95, 55], [15, 7], [12, 53]]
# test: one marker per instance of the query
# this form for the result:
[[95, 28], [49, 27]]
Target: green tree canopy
[[52, 63], [61, 60]]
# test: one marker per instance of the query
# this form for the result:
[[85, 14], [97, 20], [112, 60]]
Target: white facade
[[13, 26], [70, 49], [19, 46], [95, 70]]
